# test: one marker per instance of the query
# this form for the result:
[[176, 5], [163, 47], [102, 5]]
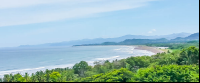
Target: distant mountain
[[118, 39], [142, 41], [171, 36], [194, 36], [136, 42], [190, 38], [175, 35]]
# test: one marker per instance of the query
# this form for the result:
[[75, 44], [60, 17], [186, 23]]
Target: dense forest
[[180, 65], [177, 45]]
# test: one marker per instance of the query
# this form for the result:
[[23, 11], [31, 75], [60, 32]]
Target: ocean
[[21, 60]]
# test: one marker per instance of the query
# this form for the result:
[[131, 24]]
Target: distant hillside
[[101, 40], [170, 36], [136, 42], [173, 36], [142, 41], [194, 36], [150, 41]]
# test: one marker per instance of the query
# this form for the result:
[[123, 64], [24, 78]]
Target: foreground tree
[[27, 78], [189, 56], [47, 75], [6, 78], [121, 75], [138, 62], [80, 68], [168, 73], [19, 78], [1, 80], [55, 76]]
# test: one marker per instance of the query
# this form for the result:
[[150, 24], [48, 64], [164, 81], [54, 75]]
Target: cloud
[[151, 31], [25, 3], [19, 12]]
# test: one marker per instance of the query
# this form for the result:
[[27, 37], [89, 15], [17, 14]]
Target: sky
[[32, 22]]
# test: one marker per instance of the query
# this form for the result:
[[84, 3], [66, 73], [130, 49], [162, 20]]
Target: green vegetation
[[181, 65], [121, 75], [176, 45], [173, 44], [166, 73]]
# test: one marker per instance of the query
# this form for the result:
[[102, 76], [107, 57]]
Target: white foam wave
[[117, 49], [107, 58], [19, 71], [130, 50], [32, 70]]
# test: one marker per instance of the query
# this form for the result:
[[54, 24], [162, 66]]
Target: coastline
[[151, 49], [139, 47]]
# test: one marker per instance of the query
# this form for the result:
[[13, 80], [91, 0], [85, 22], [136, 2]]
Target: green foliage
[[26, 77], [6, 78], [90, 73], [138, 62], [195, 41], [142, 41], [189, 56], [168, 73], [121, 75], [176, 45], [1, 80], [109, 43], [33, 78], [47, 75], [164, 59], [55, 76], [19, 78], [80, 68]]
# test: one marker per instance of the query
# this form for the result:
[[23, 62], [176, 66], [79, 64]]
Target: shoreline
[[139, 47], [151, 49]]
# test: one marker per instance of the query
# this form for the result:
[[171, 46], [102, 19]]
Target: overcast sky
[[30, 22]]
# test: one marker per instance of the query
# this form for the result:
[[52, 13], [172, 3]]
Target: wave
[[117, 49], [130, 50], [33, 70], [125, 48], [19, 71], [107, 58], [133, 51]]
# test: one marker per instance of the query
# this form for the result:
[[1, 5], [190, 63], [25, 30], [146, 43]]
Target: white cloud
[[19, 12], [25, 3], [151, 31]]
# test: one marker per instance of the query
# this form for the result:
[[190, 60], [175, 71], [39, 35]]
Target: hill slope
[[118, 39], [194, 36]]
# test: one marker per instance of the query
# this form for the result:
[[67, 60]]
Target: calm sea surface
[[14, 60]]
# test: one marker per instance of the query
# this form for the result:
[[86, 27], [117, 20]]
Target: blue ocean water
[[21, 60]]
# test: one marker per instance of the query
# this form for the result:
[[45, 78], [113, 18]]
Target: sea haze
[[14, 60]]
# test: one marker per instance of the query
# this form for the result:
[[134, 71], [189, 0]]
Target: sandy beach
[[139, 47], [152, 49]]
